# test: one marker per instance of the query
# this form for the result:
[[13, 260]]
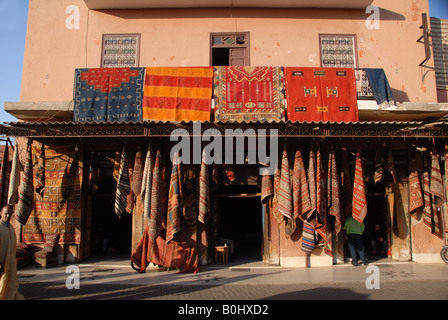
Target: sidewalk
[[115, 279]]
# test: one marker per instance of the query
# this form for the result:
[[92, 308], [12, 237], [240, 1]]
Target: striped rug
[[123, 184], [26, 190], [285, 204]]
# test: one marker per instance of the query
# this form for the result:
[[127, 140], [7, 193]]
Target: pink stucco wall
[[280, 37]]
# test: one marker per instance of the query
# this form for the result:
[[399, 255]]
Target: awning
[[361, 129]]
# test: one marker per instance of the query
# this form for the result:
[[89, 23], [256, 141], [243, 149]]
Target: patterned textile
[[147, 182], [131, 195], [380, 87], [4, 177], [204, 191], [308, 239], [334, 192], [116, 165], [137, 174], [59, 210], [285, 204], [311, 218], [108, 94], [436, 182], [390, 165], [428, 219], [175, 204], [321, 94], [178, 94], [301, 194], [415, 190], [267, 189], [39, 167], [323, 228], [277, 215], [123, 184], [25, 205], [249, 94], [359, 203], [182, 255], [14, 181], [155, 220], [380, 166], [437, 193], [347, 192], [190, 188]]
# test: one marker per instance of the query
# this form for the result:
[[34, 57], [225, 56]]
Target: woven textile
[[204, 192], [308, 239], [26, 190], [301, 194], [190, 188], [147, 182], [321, 94], [312, 183], [415, 190], [249, 94], [58, 211], [277, 215], [267, 189], [346, 187], [359, 203], [390, 165], [380, 86], [334, 192], [175, 200], [4, 177], [323, 227], [436, 183], [285, 204], [178, 94], [39, 167], [108, 94], [155, 220], [182, 255], [137, 173], [123, 184], [14, 181], [427, 208], [380, 166]]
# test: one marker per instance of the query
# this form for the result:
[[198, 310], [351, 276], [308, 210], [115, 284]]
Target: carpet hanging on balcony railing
[[249, 94], [108, 94], [321, 94], [178, 94]]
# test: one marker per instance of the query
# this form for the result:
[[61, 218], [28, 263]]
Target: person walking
[[354, 230], [9, 284]]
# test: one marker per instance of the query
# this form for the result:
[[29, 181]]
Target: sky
[[13, 21]]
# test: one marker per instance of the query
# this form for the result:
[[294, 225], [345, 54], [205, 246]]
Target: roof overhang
[[156, 4], [158, 129]]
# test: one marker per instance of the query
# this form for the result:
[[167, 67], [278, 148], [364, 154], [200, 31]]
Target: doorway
[[241, 222], [111, 236], [377, 223]]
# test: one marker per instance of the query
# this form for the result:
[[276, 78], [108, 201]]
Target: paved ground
[[115, 280]]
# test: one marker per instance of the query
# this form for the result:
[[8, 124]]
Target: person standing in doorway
[[354, 230], [9, 285]]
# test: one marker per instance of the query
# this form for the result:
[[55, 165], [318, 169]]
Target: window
[[338, 51], [120, 50], [229, 49]]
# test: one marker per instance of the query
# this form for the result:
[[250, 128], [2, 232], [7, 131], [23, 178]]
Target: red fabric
[[359, 202], [175, 254], [321, 94], [301, 194]]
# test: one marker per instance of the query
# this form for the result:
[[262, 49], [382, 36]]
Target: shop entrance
[[110, 236], [377, 223], [240, 224]]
